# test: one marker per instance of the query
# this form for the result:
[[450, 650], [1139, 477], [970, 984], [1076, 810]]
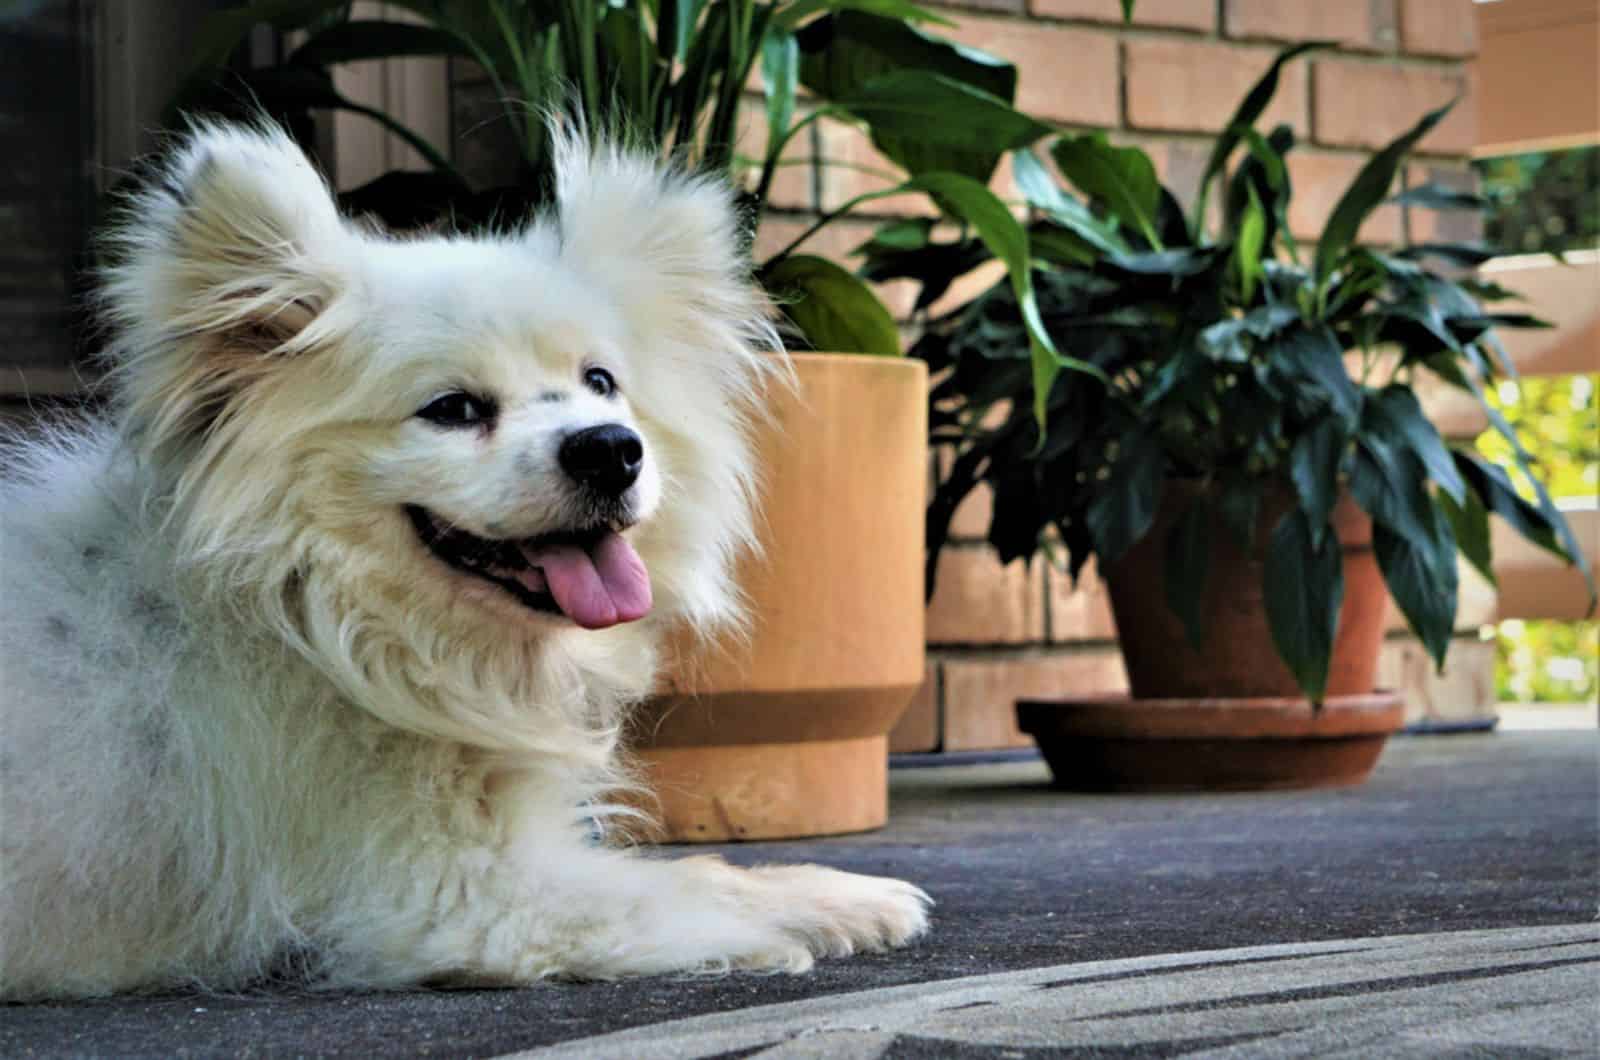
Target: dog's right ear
[[219, 267]]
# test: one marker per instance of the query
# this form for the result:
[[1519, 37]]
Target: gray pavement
[[1446, 908], [1502, 993]]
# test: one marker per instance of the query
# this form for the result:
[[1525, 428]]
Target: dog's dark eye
[[600, 381], [458, 409]]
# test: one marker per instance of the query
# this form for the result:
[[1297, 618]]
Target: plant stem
[[774, 150], [827, 219]]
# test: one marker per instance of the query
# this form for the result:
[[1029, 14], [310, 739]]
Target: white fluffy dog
[[316, 653]]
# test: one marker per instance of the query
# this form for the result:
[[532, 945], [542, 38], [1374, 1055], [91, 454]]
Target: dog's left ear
[[221, 265], [665, 244]]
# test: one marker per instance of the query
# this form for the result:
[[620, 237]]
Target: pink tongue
[[599, 588]]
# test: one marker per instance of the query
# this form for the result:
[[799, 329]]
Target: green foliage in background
[[1548, 201], [1558, 420], [1547, 662]]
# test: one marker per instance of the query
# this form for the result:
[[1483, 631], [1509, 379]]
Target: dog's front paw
[[827, 913]]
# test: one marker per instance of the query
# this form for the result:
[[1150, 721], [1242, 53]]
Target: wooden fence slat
[[1533, 583], [1538, 85], [1568, 296]]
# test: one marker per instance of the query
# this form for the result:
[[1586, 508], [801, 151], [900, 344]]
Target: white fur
[[250, 725]]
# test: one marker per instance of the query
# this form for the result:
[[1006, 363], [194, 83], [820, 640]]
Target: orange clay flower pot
[[1238, 658], [1229, 714], [785, 733]]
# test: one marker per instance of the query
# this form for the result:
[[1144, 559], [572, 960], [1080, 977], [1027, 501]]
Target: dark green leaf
[[346, 42], [1250, 109], [1125, 506], [1263, 177], [1422, 579], [1493, 487], [1467, 255], [910, 234], [1015, 519], [925, 122], [935, 266], [1122, 178], [1225, 341], [1469, 523], [1315, 464], [1042, 193], [1479, 324], [1486, 290], [629, 60], [1171, 224], [291, 88], [405, 200], [675, 27], [840, 53], [1399, 417], [1304, 589], [836, 311], [1174, 264], [1239, 505], [1315, 355], [1188, 558], [1433, 196], [794, 14], [780, 73], [964, 198], [1390, 486], [1366, 192], [223, 31], [1049, 242], [1417, 325]]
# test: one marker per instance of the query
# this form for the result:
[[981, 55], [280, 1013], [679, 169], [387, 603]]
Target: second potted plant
[[1251, 468]]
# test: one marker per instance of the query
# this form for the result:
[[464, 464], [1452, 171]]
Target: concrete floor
[[1446, 908]]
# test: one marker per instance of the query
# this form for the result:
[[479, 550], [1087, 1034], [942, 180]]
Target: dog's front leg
[[583, 912], [701, 913]]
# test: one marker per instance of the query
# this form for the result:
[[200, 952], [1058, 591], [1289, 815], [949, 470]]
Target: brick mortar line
[[1402, 59], [1365, 53], [1122, 83], [1179, 33]]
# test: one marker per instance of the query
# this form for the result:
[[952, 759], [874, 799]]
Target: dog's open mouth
[[592, 576]]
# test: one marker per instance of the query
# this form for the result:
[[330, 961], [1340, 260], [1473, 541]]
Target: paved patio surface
[[1447, 908]]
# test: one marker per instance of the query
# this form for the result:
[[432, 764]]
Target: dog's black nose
[[606, 458]]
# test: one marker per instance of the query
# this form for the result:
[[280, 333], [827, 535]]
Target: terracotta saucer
[[1110, 743]]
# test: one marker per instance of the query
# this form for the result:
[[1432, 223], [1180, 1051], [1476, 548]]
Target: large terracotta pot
[[1228, 715], [785, 733], [1238, 657]]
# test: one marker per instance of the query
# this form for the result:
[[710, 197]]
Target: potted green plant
[[1250, 466], [782, 732]]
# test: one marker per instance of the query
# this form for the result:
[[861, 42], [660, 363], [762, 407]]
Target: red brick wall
[[1165, 83]]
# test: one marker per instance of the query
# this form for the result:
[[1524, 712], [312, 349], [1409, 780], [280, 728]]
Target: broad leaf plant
[[1225, 353]]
